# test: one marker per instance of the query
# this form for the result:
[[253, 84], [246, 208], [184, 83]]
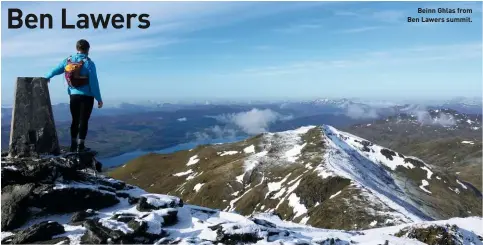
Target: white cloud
[[384, 16], [182, 119], [360, 29], [442, 119], [424, 117], [215, 132], [408, 55], [392, 16], [357, 111], [254, 121], [168, 20], [297, 28]]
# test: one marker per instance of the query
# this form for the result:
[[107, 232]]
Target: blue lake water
[[124, 158]]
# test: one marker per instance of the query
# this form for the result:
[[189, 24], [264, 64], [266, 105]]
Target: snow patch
[[198, 187], [115, 225], [423, 186], [298, 208], [239, 178], [183, 173], [429, 173], [249, 149], [154, 221], [456, 190], [462, 185], [158, 200], [336, 194], [304, 220], [275, 186], [467, 142], [11, 168], [193, 160], [293, 153], [229, 153]]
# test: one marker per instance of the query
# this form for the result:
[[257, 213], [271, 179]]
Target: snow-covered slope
[[314, 175], [50, 201]]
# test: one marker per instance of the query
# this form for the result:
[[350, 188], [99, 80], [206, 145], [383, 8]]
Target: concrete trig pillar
[[33, 128]]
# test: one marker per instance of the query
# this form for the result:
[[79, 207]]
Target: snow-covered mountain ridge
[[314, 175], [52, 201]]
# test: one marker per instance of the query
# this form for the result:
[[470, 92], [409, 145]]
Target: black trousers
[[80, 109]]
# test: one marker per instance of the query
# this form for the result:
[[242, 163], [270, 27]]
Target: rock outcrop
[[56, 200]]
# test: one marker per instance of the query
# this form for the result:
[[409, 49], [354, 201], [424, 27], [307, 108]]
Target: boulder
[[39, 232], [98, 234], [144, 206], [433, 235], [82, 215], [152, 202], [263, 223], [138, 227], [124, 217], [31, 170], [170, 216], [71, 199], [57, 241], [232, 234], [116, 184], [132, 200], [15, 205]]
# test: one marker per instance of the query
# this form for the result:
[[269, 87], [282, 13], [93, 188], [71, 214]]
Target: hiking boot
[[82, 148], [73, 146]]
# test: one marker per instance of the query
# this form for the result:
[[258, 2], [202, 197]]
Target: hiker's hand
[[100, 104]]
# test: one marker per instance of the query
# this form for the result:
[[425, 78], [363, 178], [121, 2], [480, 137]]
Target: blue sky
[[257, 50]]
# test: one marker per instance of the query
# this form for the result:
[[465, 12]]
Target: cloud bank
[[215, 132], [254, 121], [443, 119], [424, 117], [356, 111]]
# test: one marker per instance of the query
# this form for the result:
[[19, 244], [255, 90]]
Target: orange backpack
[[72, 73]]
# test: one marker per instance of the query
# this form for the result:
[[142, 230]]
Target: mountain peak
[[316, 175]]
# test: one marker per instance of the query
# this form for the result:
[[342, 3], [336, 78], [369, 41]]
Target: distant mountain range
[[154, 126], [308, 107]]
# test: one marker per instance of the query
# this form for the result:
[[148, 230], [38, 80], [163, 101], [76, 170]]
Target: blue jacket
[[89, 68]]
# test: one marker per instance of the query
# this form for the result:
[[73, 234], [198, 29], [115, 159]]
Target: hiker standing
[[80, 73]]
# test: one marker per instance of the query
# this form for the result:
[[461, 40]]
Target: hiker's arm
[[59, 69], [94, 82]]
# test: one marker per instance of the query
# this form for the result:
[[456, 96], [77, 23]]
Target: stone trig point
[[33, 128]]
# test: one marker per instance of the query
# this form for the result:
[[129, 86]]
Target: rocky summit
[[60, 200]]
